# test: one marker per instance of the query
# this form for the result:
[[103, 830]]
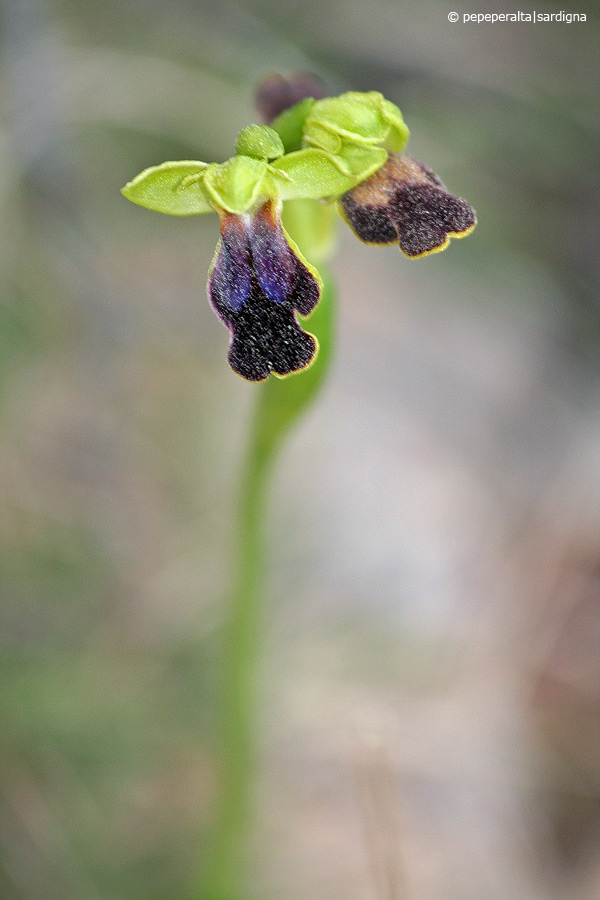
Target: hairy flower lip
[[257, 283], [404, 201]]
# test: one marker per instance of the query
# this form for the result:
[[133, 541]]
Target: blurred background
[[431, 678]]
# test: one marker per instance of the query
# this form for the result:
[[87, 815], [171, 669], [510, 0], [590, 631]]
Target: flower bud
[[275, 93]]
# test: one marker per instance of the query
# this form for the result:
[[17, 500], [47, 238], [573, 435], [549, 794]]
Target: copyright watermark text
[[519, 16]]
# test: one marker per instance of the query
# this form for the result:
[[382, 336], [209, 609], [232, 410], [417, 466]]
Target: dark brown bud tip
[[275, 93]]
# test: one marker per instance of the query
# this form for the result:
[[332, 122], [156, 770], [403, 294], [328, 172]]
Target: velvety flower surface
[[256, 285], [406, 202]]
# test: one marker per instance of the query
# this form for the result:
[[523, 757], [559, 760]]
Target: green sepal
[[175, 188], [361, 161], [237, 184], [312, 174], [260, 142], [361, 118], [323, 136], [398, 135], [289, 124]]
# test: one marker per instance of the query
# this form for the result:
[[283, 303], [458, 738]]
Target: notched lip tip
[[312, 360], [441, 247], [285, 375], [250, 380]]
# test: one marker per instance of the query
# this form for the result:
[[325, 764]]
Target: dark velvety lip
[[256, 286], [404, 201]]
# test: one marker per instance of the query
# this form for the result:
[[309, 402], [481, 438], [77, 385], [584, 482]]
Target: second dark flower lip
[[257, 283], [406, 202]]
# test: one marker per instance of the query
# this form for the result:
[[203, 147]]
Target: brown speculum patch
[[406, 202]]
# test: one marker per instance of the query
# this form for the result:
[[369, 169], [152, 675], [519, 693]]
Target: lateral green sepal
[[175, 188], [312, 174]]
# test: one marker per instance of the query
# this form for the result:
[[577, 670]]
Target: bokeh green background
[[431, 676]]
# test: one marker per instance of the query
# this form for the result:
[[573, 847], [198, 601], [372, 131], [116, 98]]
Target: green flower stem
[[224, 873], [279, 405]]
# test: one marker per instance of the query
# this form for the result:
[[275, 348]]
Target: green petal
[[361, 161], [237, 184], [312, 174], [399, 134], [175, 188], [324, 136], [260, 142], [362, 118]]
